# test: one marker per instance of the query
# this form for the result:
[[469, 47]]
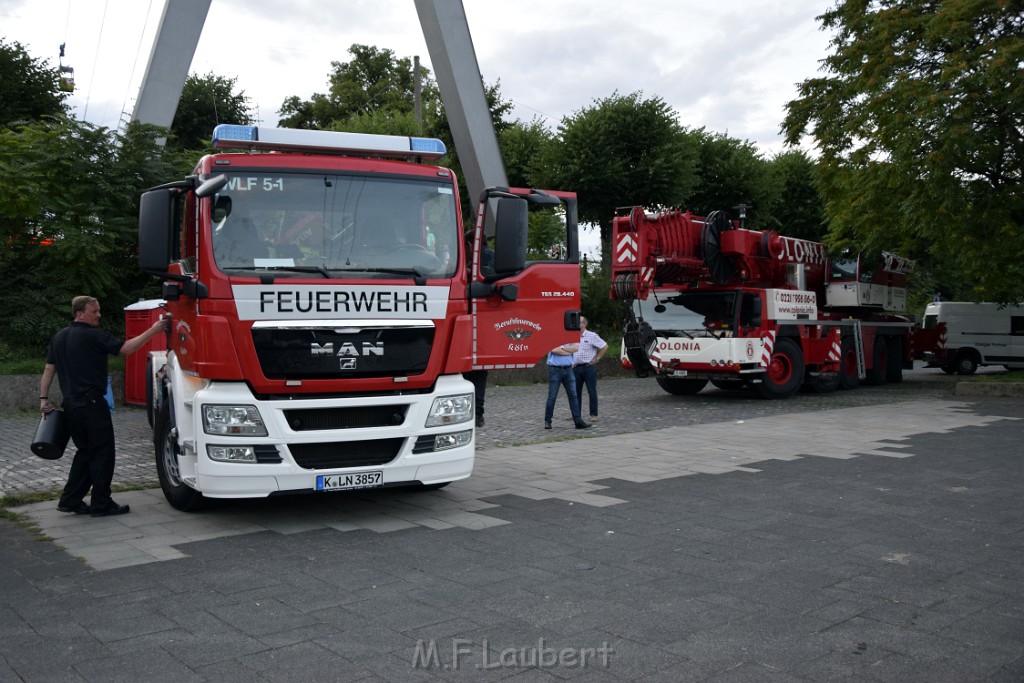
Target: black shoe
[[479, 421], [112, 509], [547, 425], [80, 509], [582, 425]]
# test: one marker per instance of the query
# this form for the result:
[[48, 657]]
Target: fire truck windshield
[[337, 225]]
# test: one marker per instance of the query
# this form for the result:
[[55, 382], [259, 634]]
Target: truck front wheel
[[878, 373], [894, 368], [179, 494], [785, 372], [849, 377]]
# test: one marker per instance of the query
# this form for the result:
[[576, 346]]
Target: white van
[[976, 334]]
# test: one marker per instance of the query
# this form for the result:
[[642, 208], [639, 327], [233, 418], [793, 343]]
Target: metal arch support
[[181, 24], [450, 45]]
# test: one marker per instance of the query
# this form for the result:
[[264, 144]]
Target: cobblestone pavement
[[515, 416], [872, 535]]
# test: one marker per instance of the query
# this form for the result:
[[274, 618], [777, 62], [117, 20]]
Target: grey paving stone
[[778, 574]]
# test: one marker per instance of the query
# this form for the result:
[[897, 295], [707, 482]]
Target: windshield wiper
[[299, 269], [372, 269]]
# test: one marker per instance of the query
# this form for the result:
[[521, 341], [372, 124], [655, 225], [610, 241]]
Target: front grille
[[317, 353], [356, 417], [324, 456]]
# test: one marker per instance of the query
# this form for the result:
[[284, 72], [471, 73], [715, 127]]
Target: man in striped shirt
[[591, 350]]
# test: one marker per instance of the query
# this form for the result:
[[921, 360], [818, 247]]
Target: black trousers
[[479, 380], [92, 432]]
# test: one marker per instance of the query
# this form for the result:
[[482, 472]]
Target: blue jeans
[[586, 374], [562, 376]]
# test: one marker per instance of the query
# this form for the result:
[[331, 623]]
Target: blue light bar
[[325, 142], [427, 145], [227, 131]]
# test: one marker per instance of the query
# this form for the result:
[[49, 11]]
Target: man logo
[[364, 349], [321, 349], [346, 363]]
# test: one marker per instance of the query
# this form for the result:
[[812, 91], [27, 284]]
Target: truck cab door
[[521, 308]]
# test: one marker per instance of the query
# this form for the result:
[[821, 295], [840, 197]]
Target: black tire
[[729, 384], [179, 494], [878, 372], [966, 363], [681, 387], [894, 369], [848, 377], [949, 368], [785, 373]]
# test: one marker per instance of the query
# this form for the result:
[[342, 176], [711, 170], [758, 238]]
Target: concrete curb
[[21, 392], [1010, 389]]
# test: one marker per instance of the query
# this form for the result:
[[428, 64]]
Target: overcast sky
[[729, 66]]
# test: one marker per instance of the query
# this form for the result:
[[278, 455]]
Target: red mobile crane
[[764, 310]]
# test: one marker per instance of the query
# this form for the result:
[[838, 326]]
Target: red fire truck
[[324, 306], [761, 310]]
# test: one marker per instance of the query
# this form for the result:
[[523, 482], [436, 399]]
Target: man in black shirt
[[78, 356]]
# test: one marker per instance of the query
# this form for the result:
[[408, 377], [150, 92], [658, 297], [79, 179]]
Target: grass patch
[[21, 520], [18, 499], [1008, 376]]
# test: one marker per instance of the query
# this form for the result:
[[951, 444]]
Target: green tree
[[374, 80], [732, 172], [29, 89], [523, 147], [798, 209], [920, 124], [206, 101], [624, 150], [69, 196]]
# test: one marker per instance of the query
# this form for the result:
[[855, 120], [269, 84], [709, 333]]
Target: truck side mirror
[[510, 228], [155, 233]]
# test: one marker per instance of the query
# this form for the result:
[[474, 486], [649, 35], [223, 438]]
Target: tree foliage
[[920, 124], [69, 196], [523, 147], [731, 172], [29, 88], [797, 208], [623, 150], [206, 101], [374, 80]]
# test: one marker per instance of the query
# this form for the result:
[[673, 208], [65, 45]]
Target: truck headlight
[[443, 442], [233, 421], [231, 453], [449, 410]]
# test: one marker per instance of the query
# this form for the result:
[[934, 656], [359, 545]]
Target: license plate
[[347, 482]]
